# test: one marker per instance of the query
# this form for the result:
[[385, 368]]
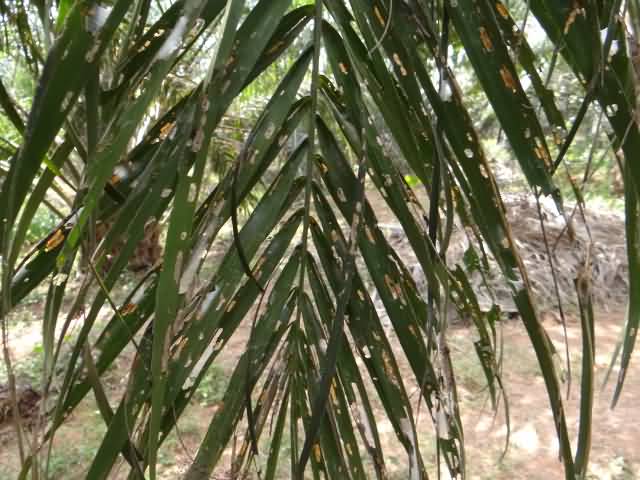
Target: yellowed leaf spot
[[391, 285], [317, 453], [165, 129], [332, 393], [537, 152], [541, 153], [343, 68], [399, 294], [369, 234], [572, 17], [277, 46], [379, 16], [396, 59], [54, 240], [223, 301], [260, 262]]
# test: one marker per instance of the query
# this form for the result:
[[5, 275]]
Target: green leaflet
[[269, 332], [386, 93], [74, 51], [616, 95], [406, 309], [371, 341], [583, 289], [231, 273], [518, 44], [138, 159], [352, 382], [476, 24], [106, 158]]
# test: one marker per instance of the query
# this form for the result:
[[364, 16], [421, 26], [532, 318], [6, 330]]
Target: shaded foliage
[[125, 147]]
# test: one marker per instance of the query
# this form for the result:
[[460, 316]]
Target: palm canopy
[[371, 73]]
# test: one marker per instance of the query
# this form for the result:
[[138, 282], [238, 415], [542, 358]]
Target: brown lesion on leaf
[[502, 10], [486, 40], [115, 179], [259, 263], [54, 240], [231, 60], [165, 129], [507, 78], [394, 288], [389, 368], [322, 166], [398, 62], [576, 10], [543, 155], [128, 309], [413, 331]]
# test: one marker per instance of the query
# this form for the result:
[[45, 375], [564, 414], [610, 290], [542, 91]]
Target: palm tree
[[298, 266]]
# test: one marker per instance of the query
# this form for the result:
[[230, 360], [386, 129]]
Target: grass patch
[[212, 387]]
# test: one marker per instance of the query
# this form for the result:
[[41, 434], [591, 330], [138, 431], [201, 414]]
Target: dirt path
[[533, 451]]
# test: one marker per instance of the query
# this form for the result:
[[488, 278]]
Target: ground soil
[[532, 452]]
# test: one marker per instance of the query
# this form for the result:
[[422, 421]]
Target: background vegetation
[[230, 153]]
